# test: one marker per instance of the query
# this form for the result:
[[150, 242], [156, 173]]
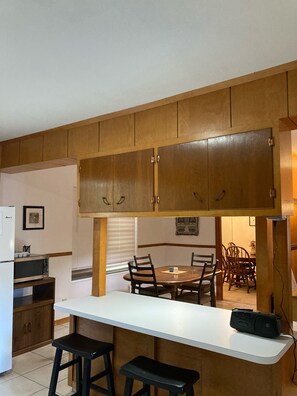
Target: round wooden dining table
[[183, 274]]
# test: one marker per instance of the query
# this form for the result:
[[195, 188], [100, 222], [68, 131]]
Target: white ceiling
[[62, 61]]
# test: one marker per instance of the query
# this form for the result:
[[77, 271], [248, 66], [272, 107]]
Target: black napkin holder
[[258, 323]]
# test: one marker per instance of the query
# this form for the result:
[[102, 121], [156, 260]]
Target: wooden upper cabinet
[[10, 154], [117, 183], [241, 171], [204, 113], [31, 149], [55, 145], [182, 176], [117, 133], [157, 124], [134, 181], [96, 185], [292, 94], [83, 140], [259, 100]]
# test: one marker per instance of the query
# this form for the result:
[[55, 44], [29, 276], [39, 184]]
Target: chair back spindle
[[143, 278], [241, 269]]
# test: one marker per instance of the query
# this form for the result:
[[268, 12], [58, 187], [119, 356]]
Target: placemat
[[174, 272]]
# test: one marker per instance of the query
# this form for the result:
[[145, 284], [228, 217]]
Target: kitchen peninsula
[[187, 335]]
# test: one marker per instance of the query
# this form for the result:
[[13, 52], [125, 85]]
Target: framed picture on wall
[[33, 217], [187, 225]]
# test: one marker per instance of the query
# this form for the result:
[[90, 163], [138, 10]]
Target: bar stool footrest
[[99, 389]]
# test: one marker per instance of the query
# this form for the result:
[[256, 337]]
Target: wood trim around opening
[[176, 245]]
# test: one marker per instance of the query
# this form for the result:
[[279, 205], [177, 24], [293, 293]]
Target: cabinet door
[[55, 144], [83, 140], [241, 171], [32, 326], [31, 149], [10, 154], [96, 185], [182, 176], [134, 181], [41, 324]]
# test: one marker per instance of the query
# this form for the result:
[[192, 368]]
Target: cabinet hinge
[[270, 142], [155, 199], [155, 159], [272, 193]]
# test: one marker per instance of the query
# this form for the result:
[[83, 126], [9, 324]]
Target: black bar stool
[[176, 380], [86, 349]]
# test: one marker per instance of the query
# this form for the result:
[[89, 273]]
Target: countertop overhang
[[196, 325]]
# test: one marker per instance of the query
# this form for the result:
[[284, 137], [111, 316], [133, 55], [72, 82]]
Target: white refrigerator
[[7, 235]]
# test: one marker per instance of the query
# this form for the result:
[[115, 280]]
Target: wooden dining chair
[[193, 292], [233, 246], [143, 260], [199, 260], [241, 269], [225, 268], [143, 278]]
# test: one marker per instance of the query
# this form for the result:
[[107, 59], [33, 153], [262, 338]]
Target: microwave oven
[[33, 267]]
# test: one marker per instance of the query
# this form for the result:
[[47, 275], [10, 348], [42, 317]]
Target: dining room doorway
[[241, 231]]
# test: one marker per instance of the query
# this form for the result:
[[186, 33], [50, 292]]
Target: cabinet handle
[[197, 196], [220, 196], [29, 327], [105, 200], [121, 200], [25, 328], [155, 199]]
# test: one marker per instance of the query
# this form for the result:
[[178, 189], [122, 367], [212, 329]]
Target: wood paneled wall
[[259, 101], [292, 94], [83, 139], [10, 154], [31, 149], [293, 220], [55, 144], [263, 97], [117, 133], [152, 124], [204, 113]]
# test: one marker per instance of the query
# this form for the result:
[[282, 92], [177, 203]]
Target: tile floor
[[238, 297], [30, 374]]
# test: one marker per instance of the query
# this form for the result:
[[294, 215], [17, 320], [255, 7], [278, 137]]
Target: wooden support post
[[99, 257], [282, 272], [264, 264], [219, 278]]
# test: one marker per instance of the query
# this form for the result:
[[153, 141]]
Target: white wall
[[150, 230], [53, 189], [158, 230], [82, 238], [238, 230], [60, 269]]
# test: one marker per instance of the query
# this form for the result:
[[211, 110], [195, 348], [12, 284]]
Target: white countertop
[[196, 325]]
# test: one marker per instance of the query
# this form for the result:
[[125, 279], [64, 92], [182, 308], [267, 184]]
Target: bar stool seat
[[176, 380], [84, 349]]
